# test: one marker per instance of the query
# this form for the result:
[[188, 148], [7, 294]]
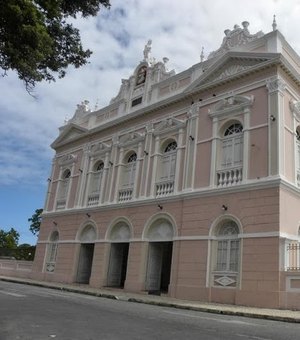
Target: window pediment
[[99, 148], [131, 139], [67, 159], [231, 105], [168, 125]]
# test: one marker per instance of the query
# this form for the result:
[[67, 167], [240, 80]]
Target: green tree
[[37, 39], [9, 239], [35, 220]]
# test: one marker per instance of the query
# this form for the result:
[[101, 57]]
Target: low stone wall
[[15, 268]]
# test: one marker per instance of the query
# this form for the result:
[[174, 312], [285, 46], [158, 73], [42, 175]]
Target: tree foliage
[[35, 220], [9, 239], [37, 39]]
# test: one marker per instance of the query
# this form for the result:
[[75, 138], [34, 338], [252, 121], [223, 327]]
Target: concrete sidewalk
[[118, 294]]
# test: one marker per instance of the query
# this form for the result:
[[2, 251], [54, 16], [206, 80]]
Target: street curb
[[148, 301]]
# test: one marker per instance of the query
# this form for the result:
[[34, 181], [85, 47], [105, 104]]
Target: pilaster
[[276, 88]]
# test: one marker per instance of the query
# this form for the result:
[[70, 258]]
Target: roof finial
[[96, 105], [274, 25], [202, 55]]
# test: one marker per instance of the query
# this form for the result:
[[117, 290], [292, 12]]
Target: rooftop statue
[[147, 51]]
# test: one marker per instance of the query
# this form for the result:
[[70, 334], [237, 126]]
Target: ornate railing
[[292, 258], [50, 266], [60, 204], [229, 177], [165, 188], [93, 199], [125, 195]]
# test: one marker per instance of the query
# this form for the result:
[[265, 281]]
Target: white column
[[144, 179], [104, 184], [119, 168], [178, 160], [214, 152], [155, 164], [83, 188], [137, 182], [276, 88], [246, 150]]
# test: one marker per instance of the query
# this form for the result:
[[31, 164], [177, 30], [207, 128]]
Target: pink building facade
[[185, 184]]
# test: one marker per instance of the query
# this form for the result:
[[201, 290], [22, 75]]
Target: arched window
[[166, 169], [52, 252], [128, 177], [129, 170], [228, 247], [226, 255], [171, 147], [298, 155], [95, 183], [232, 146], [168, 161], [63, 189]]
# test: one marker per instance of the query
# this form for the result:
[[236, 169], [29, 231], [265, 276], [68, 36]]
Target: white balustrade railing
[[229, 177], [60, 204], [292, 257], [125, 195], [93, 199], [164, 188]]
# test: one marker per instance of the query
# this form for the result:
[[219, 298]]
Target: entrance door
[[117, 264], [85, 263], [159, 266]]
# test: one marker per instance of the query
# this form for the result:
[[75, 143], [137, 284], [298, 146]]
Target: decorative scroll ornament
[[68, 159], [99, 148], [295, 108], [234, 103], [275, 84], [237, 37]]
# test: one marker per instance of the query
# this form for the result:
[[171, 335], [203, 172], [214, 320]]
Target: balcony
[[93, 199], [229, 177], [292, 257], [60, 204], [125, 195], [165, 188]]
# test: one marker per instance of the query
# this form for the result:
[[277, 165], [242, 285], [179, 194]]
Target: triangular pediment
[[131, 138], [168, 125], [70, 133], [233, 64]]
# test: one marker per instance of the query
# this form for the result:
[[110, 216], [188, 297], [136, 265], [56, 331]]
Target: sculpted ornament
[[236, 37], [275, 84], [295, 108], [147, 50]]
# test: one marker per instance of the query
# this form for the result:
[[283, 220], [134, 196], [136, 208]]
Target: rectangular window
[[136, 101]]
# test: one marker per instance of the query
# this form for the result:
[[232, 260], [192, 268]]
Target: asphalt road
[[35, 313]]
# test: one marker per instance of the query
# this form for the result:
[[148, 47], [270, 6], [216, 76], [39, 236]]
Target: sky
[[178, 29]]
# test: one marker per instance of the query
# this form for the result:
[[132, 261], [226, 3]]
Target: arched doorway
[[119, 237], [86, 254], [160, 236]]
